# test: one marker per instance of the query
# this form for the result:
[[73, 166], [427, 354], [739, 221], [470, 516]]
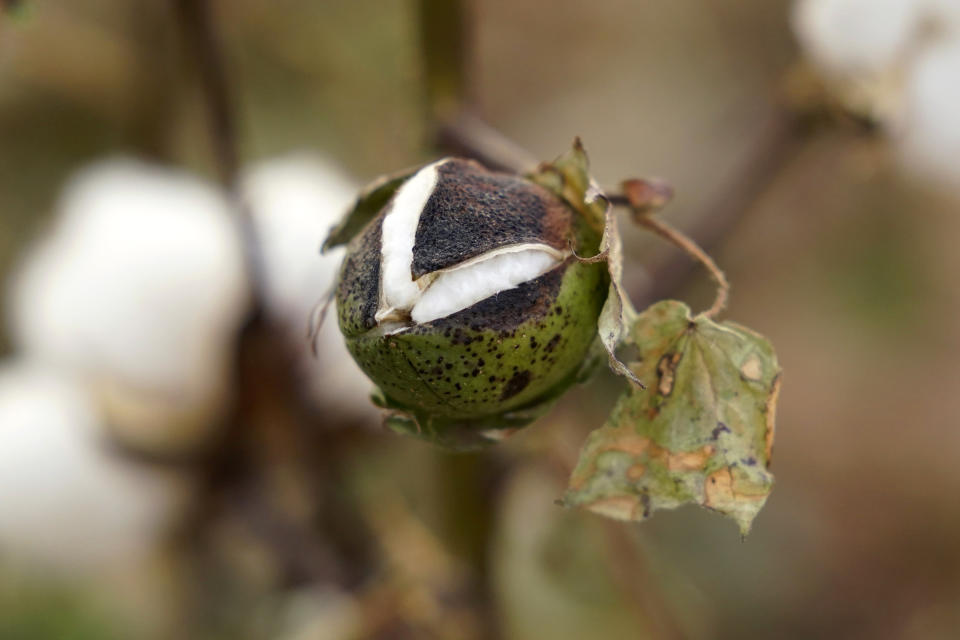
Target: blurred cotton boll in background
[[295, 200], [68, 504], [930, 133], [897, 62], [140, 286]]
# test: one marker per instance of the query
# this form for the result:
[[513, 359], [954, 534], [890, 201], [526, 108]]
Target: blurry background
[[175, 464]]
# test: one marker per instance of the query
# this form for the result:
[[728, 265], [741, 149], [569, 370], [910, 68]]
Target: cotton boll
[[945, 14], [295, 200], [67, 502], [930, 132], [140, 286], [856, 37]]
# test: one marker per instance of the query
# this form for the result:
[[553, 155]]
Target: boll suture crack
[[475, 299]]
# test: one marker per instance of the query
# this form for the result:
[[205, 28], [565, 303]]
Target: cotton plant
[[294, 200], [139, 286], [897, 62], [475, 299]]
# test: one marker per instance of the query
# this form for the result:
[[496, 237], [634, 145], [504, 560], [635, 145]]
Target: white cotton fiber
[[930, 131], [460, 288], [140, 286], [67, 501], [141, 278], [849, 37], [399, 234]]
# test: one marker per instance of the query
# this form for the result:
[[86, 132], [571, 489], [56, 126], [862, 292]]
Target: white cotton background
[[855, 36], [295, 200], [898, 61], [68, 503], [929, 135], [140, 287]]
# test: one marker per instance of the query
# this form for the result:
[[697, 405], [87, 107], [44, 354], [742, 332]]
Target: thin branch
[[692, 249], [645, 198], [206, 52], [444, 43], [776, 144], [203, 44], [470, 136]]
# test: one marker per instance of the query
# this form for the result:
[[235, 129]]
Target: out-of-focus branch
[[776, 145], [470, 136], [444, 42], [203, 44], [452, 122], [645, 198]]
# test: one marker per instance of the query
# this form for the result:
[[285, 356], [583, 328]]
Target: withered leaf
[[702, 431], [569, 178], [369, 202]]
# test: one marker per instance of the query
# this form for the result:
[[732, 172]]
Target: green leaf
[[701, 433], [369, 202], [569, 178]]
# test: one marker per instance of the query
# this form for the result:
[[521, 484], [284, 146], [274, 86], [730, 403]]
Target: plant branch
[[444, 45], [779, 139], [203, 45], [644, 198], [206, 53], [470, 136]]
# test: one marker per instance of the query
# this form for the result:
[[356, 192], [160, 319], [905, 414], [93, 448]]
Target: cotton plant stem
[[444, 45], [204, 49], [692, 249]]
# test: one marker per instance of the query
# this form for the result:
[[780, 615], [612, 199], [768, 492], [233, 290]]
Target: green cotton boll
[[464, 300]]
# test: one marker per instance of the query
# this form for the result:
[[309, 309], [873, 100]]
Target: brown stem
[[204, 48], [203, 45], [444, 44], [692, 249], [777, 142], [470, 136]]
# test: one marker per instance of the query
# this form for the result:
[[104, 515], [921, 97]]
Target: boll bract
[[464, 300]]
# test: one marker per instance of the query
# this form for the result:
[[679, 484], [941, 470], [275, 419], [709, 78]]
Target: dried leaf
[[569, 178], [369, 202], [701, 433]]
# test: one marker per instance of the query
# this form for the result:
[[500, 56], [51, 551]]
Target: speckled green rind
[[701, 433], [473, 364]]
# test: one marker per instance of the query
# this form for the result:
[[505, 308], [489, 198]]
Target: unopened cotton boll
[[294, 201], [930, 131], [67, 501], [140, 286]]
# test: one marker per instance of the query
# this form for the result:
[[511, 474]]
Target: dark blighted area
[[473, 211]]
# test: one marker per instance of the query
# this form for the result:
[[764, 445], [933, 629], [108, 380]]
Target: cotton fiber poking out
[[399, 233], [460, 288], [446, 292]]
